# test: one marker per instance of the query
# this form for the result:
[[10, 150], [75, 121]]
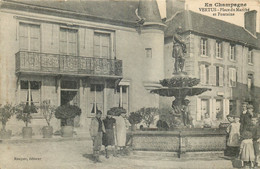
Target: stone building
[[225, 57], [93, 54], [103, 54]]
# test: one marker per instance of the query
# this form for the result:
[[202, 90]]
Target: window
[[30, 92], [29, 37], [219, 109], [148, 52], [102, 45], [68, 41], [203, 47], [122, 96], [219, 76], [219, 50], [205, 108], [97, 98], [232, 53], [250, 57], [250, 79], [204, 74], [232, 77]]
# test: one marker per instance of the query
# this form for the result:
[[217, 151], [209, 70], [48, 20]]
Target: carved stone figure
[[179, 50]]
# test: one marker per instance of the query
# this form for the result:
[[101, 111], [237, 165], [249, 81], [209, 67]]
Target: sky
[[237, 19]]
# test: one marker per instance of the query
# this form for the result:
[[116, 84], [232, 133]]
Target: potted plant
[[23, 112], [134, 118], [48, 112], [148, 115], [6, 113], [116, 111], [66, 113]]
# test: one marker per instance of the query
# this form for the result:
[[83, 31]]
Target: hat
[[109, 112], [246, 103], [250, 106]]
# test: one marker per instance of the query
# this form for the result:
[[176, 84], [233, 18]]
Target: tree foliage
[[47, 110], [148, 115], [6, 112], [67, 111], [135, 118]]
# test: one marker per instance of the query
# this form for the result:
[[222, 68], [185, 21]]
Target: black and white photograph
[[129, 84]]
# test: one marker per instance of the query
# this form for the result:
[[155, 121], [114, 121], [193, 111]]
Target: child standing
[[233, 142], [246, 153]]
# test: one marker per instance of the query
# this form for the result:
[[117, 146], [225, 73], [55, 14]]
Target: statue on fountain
[[181, 112], [179, 50]]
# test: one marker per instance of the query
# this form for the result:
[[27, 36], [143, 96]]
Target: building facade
[[83, 53], [223, 56], [90, 55]]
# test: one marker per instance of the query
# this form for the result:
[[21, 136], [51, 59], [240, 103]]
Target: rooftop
[[208, 26]]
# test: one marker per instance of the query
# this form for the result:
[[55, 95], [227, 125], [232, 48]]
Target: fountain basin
[[181, 142]]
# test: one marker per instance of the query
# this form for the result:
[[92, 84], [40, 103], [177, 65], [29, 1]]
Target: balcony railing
[[33, 62]]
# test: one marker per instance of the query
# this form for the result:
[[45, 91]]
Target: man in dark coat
[[247, 121]]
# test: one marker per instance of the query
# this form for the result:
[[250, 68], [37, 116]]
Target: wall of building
[[193, 59], [129, 46]]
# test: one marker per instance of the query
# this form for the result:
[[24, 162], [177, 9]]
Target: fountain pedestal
[[183, 143]]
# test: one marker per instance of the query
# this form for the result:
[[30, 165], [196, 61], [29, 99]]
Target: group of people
[[244, 136], [110, 131]]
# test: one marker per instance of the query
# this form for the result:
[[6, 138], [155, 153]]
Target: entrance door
[[70, 95]]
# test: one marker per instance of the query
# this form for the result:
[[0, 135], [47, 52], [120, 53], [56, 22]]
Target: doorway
[[70, 95]]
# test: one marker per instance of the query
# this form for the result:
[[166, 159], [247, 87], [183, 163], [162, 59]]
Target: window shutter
[[211, 108], [222, 50], [230, 72], [34, 38], [212, 74], [214, 109], [221, 76], [202, 74], [23, 37], [235, 77], [207, 47], [216, 49], [201, 46], [198, 109], [89, 42], [226, 107]]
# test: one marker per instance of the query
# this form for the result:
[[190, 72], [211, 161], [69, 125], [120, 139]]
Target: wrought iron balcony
[[44, 63]]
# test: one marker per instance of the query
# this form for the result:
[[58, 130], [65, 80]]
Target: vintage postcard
[[129, 84]]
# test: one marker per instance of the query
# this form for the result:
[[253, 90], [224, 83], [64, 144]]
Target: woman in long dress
[[120, 131]]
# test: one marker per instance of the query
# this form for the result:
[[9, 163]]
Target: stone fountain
[[182, 140]]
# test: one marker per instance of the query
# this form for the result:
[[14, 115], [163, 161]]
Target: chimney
[[250, 21], [173, 6]]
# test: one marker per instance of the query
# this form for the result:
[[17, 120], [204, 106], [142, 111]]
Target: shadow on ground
[[88, 156]]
